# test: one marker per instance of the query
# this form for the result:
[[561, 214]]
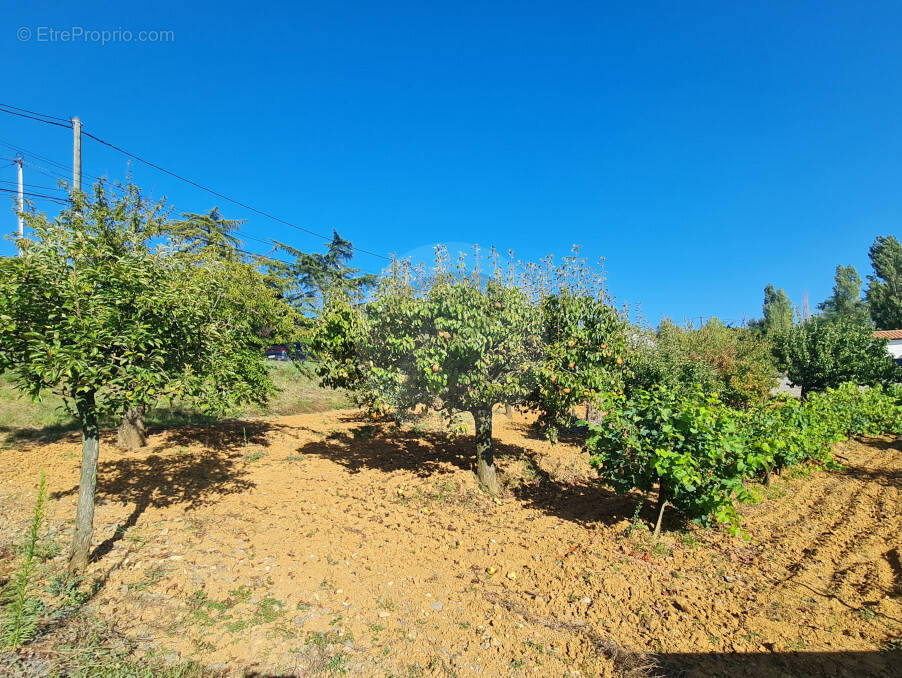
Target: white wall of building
[[895, 347]]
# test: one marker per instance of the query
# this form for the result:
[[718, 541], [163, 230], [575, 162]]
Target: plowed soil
[[323, 545]]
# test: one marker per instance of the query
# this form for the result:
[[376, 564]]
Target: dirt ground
[[322, 545]]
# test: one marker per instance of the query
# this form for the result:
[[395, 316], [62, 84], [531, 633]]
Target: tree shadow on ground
[[186, 478], [370, 447], [781, 664], [428, 453], [229, 435], [11, 436], [883, 477]]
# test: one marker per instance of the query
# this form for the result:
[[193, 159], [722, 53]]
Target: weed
[[23, 611], [251, 457], [866, 613], [338, 665], [67, 587], [688, 539]]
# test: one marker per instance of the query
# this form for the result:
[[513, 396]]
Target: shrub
[[734, 362], [823, 353], [687, 443], [699, 452]]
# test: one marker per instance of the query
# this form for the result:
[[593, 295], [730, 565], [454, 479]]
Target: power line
[[27, 185], [4, 108], [225, 197], [43, 115], [67, 125], [31, 194]]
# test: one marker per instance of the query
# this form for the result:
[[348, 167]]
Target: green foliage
[[210, 234], [93, 313], [701, 453], [90, 308], [778, 314], [584, 345], [826, 352], [884, 293], [733, 362], [22, 611], [846, 298], [457, 340], [307, 282], [453, 341], [688, 443]]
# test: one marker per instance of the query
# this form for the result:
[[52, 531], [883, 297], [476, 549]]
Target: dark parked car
[[277, 353]]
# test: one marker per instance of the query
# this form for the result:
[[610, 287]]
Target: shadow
[[228, 435], [885, 478], [568, 435], [189, 479], [581, 500], [370, 447], [782, 664], [881, 442], [10, 436], [427, 454], [159, 420], [895, 562]]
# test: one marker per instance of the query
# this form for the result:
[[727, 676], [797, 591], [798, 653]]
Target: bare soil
[[322, 544]]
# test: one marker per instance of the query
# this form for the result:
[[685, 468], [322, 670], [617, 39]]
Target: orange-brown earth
[[321, 545]]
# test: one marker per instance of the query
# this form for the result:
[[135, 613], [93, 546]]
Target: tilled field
[[322, 545]]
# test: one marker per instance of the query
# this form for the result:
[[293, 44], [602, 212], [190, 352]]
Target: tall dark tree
[[884, 293], [845, 302], [307, 280], [209, 232]]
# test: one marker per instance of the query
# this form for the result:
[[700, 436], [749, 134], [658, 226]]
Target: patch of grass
[[338, 665], [46, 419], [385, 604], [251, 457], [152, 575], [867, 614]]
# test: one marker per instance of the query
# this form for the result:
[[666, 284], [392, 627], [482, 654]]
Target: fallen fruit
[[491, 570], [511, 575]]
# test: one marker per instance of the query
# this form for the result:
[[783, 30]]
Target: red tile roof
[[888, 334]]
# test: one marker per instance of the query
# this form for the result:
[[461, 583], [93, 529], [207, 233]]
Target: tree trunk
[[485, 454], [508, 410], [131, 434], [84, 515], [662, 504]]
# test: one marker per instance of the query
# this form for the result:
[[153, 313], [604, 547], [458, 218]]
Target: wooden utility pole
[[21, 196], [76, 154]]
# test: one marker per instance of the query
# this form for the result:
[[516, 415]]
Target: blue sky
[[703, 149]]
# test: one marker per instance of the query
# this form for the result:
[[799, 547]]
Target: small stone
[[437, 606], [384, 613], [586, 600]]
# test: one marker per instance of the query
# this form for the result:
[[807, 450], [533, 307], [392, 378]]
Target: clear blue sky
[[704, 149]]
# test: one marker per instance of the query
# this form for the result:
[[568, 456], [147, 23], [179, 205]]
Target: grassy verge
[[24, 420]]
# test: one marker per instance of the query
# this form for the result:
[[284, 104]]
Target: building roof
[[888, 334]]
